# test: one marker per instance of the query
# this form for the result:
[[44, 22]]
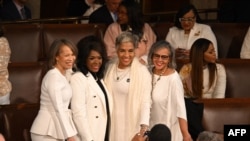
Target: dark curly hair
[[85, 46]]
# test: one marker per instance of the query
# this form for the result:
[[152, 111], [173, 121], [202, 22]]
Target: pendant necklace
[[153, 79], [123, 74]]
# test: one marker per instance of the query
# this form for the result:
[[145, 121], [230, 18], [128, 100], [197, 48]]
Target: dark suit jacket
[[9, 12], [77, 8], [101, 15]]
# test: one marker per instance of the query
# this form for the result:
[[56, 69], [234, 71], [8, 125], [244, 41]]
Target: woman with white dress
[[168, 106], [129, 83]]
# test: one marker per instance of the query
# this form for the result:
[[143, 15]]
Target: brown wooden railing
[[73, 20], [149, 17]]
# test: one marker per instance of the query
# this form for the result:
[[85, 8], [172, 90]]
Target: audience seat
[[161, 29], [16, 121], [26, 82], [25, 42], [228, 111], [229, 37], [238, 76], [73, 32]]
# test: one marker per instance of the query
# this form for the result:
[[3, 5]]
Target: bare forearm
[[184, 130]]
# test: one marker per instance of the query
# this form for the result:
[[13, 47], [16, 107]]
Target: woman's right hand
[[181, 53], [71, 139]]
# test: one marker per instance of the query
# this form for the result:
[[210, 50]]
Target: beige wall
[[34, 6], [205, 4]]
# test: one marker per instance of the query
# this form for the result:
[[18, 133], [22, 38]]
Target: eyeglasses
[[163, 57], [187, 19]]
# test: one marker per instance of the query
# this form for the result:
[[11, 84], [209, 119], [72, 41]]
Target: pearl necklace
[[154, 82]]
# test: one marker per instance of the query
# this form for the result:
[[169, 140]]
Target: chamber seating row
[[30, 42], [16, 119]]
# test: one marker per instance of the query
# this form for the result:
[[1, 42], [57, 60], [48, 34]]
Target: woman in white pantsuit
[[54, 121], [91, 101]]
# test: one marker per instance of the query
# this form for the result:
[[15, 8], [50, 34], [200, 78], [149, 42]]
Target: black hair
[[85, 46], [160, 132], [135, 17], [182, 11]]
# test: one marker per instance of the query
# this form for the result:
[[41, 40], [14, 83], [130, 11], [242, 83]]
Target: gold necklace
[[154, 82]]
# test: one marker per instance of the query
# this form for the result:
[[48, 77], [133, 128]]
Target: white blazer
[[54, 117], [176, 36], [89, 107]]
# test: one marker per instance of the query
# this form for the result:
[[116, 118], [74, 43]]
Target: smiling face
[[210, 55], [94, 61], [160, 59], [126, 54], [65, 59]]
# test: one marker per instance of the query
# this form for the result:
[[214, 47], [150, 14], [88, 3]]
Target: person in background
[[129, 19], [92, 7], [77, 8], [159, 132], [15, 10], [129, 83], [201, 78], [91, 102], [54, 121], [187, 28], [106, 14], [5, 84], [245, 49], [168, 106], [210, 136]]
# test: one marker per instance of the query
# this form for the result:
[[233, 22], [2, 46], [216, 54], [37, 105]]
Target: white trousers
[[5, 100], [36, 137]]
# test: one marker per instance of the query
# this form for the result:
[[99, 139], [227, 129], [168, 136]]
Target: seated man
[[106, 14], [15, 10]]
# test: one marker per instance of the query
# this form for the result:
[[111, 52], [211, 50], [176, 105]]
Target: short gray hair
[[126, 37], [209, 136], [158, 45]]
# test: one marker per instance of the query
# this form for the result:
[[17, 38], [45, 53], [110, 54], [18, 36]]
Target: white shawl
[[139, 93]]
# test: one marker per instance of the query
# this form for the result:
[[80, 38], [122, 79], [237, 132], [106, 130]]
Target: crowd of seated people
[[201, 78]]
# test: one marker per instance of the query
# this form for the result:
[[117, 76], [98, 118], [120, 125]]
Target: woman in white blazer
[[91, 102], [54, 121], [187, 28]]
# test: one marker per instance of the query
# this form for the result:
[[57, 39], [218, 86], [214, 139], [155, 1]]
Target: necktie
[[23, 15]]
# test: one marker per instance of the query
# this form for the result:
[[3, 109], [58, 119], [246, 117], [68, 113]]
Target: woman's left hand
[[187, 138], [71, 139], [139, 137]]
